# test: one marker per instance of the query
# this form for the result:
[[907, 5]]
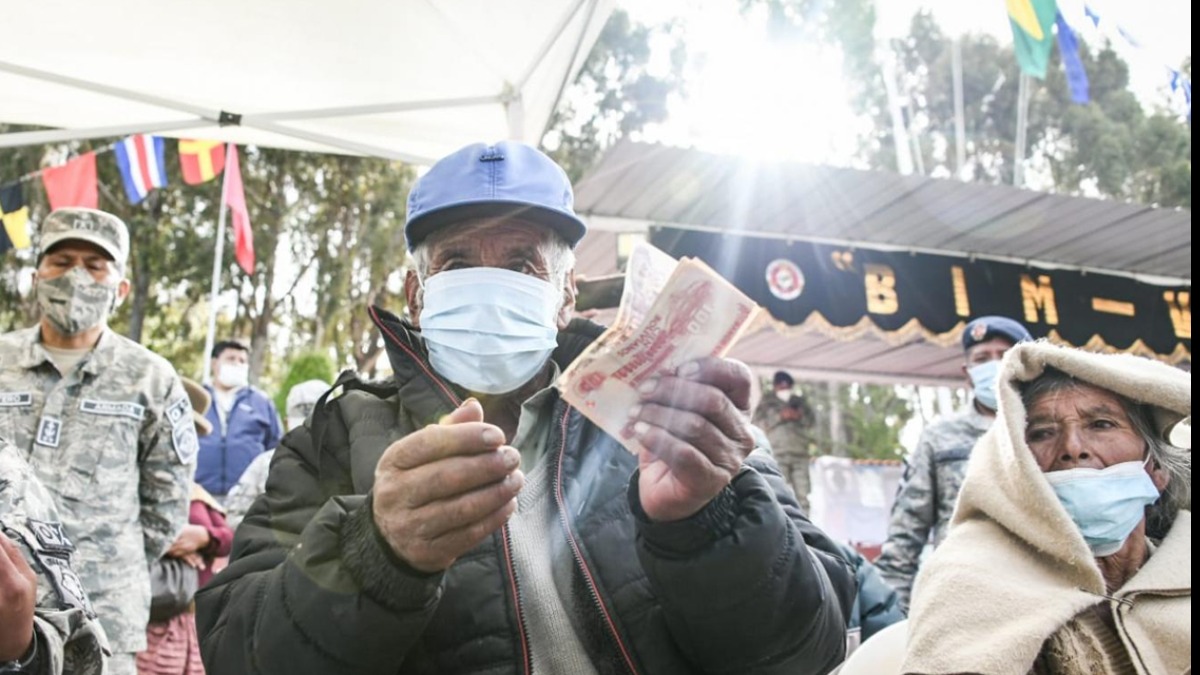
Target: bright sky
[[750, 96]]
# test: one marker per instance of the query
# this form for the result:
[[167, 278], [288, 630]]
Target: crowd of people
[[461, 517]]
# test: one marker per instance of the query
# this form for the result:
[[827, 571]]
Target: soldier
[[47, 625], [104, 423], [936, 468], [785, 417], [301, 400]]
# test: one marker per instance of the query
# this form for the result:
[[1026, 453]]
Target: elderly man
[[1050, 566], [104, 422], [936, 468], [462, 518]]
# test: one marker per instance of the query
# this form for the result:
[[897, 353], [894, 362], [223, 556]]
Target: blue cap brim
[[567, 226]]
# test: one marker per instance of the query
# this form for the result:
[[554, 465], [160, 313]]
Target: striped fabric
[[171, 648]]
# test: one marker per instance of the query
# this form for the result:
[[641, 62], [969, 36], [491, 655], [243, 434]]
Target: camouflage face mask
[[75, 302]]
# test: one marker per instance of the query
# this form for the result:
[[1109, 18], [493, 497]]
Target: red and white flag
[[235, 199]]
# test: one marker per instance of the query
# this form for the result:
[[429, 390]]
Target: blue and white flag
[[1068, 48], [140, 159]]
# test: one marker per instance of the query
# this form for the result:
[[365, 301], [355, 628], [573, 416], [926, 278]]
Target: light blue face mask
[[487, 329], [1106, 504], [983, 379]]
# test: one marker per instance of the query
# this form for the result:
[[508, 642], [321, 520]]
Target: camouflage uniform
[[113, 442], [790, 443], [69, 637], [928, 491]]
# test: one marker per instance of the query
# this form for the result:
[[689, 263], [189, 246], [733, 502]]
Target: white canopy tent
[[409, 80]]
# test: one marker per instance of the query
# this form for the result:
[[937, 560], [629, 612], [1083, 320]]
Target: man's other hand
[[18, 595], [442, 490]]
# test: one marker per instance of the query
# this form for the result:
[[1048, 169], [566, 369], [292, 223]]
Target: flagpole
[[210, 338], [960, 133], [1022, 115]]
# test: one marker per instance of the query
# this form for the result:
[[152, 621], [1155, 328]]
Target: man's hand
[[695, 427], [18, 595], [442, 490], [193, 538]]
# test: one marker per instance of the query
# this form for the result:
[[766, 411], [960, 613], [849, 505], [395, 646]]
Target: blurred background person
[[786, 418], [171, 644], [244, 421], [301, 400]]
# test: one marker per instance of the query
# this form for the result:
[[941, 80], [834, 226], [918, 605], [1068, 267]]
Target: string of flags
[[1032, 22], [140, 161]]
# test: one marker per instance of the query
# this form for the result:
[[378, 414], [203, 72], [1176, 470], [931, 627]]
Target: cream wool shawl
[[1014, 568]]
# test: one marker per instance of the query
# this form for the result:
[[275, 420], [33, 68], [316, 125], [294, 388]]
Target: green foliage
[[309, 365], [871, 418]]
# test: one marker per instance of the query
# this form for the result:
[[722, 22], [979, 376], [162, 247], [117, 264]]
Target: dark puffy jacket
[[251, 429], [747, 585], [877, 605]]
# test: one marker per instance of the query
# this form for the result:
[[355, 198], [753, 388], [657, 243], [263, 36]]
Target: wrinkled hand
[[193, 538], [442, 490], [695, 428], [18, 595]]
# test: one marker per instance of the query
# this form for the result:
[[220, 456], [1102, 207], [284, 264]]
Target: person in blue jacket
[[244, 420]]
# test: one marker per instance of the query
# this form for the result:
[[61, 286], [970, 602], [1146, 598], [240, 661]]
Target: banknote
[[696, 313]]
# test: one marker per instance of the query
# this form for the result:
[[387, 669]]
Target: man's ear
[[1159, 474], [967, 376], [412, 295], [123, 289], [568, 306]]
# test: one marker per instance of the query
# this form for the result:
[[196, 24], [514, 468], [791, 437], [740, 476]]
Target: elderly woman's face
[[1081, 427]]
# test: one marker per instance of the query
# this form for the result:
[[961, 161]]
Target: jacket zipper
[[587, 573], [506, 535]]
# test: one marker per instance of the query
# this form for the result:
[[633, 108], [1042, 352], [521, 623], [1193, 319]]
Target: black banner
[[846, 286]]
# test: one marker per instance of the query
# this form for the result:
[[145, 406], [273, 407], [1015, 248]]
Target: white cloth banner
[[852, 500]]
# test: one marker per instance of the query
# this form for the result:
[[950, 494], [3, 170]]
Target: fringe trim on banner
[[913, 330]]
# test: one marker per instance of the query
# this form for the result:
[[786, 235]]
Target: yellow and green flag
[[1033, 35]]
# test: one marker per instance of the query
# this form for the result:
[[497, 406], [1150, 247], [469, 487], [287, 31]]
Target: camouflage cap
[[97, 227]]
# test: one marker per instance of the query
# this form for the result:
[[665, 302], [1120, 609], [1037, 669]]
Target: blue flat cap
[[505, 180]]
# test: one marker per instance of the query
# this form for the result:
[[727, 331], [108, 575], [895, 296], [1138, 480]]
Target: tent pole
[[519, 85], [116, 92], [210, 337], [339, 143], [566, 78], [375, 109], [20, 138]]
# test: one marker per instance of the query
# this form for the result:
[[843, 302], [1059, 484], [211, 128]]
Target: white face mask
[[784, 395], [487, 329], [233, 375]]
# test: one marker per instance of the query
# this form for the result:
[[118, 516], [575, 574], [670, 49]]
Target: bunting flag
[[1031, 21], [235, 199], [73, 184], [15, 215], [1068, 48], [201, 161], [140, 159]]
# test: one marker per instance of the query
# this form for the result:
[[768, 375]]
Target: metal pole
[[904, 159], [1022, 113], [960, 131], [210, 339]]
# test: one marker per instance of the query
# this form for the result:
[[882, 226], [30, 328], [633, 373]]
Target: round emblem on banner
[[784, 279]]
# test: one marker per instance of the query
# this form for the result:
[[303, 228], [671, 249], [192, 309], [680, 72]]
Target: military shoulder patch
[[50, 535], [183, 438]]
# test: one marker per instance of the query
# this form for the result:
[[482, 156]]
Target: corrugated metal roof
[[644, 183], [687, 187]]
